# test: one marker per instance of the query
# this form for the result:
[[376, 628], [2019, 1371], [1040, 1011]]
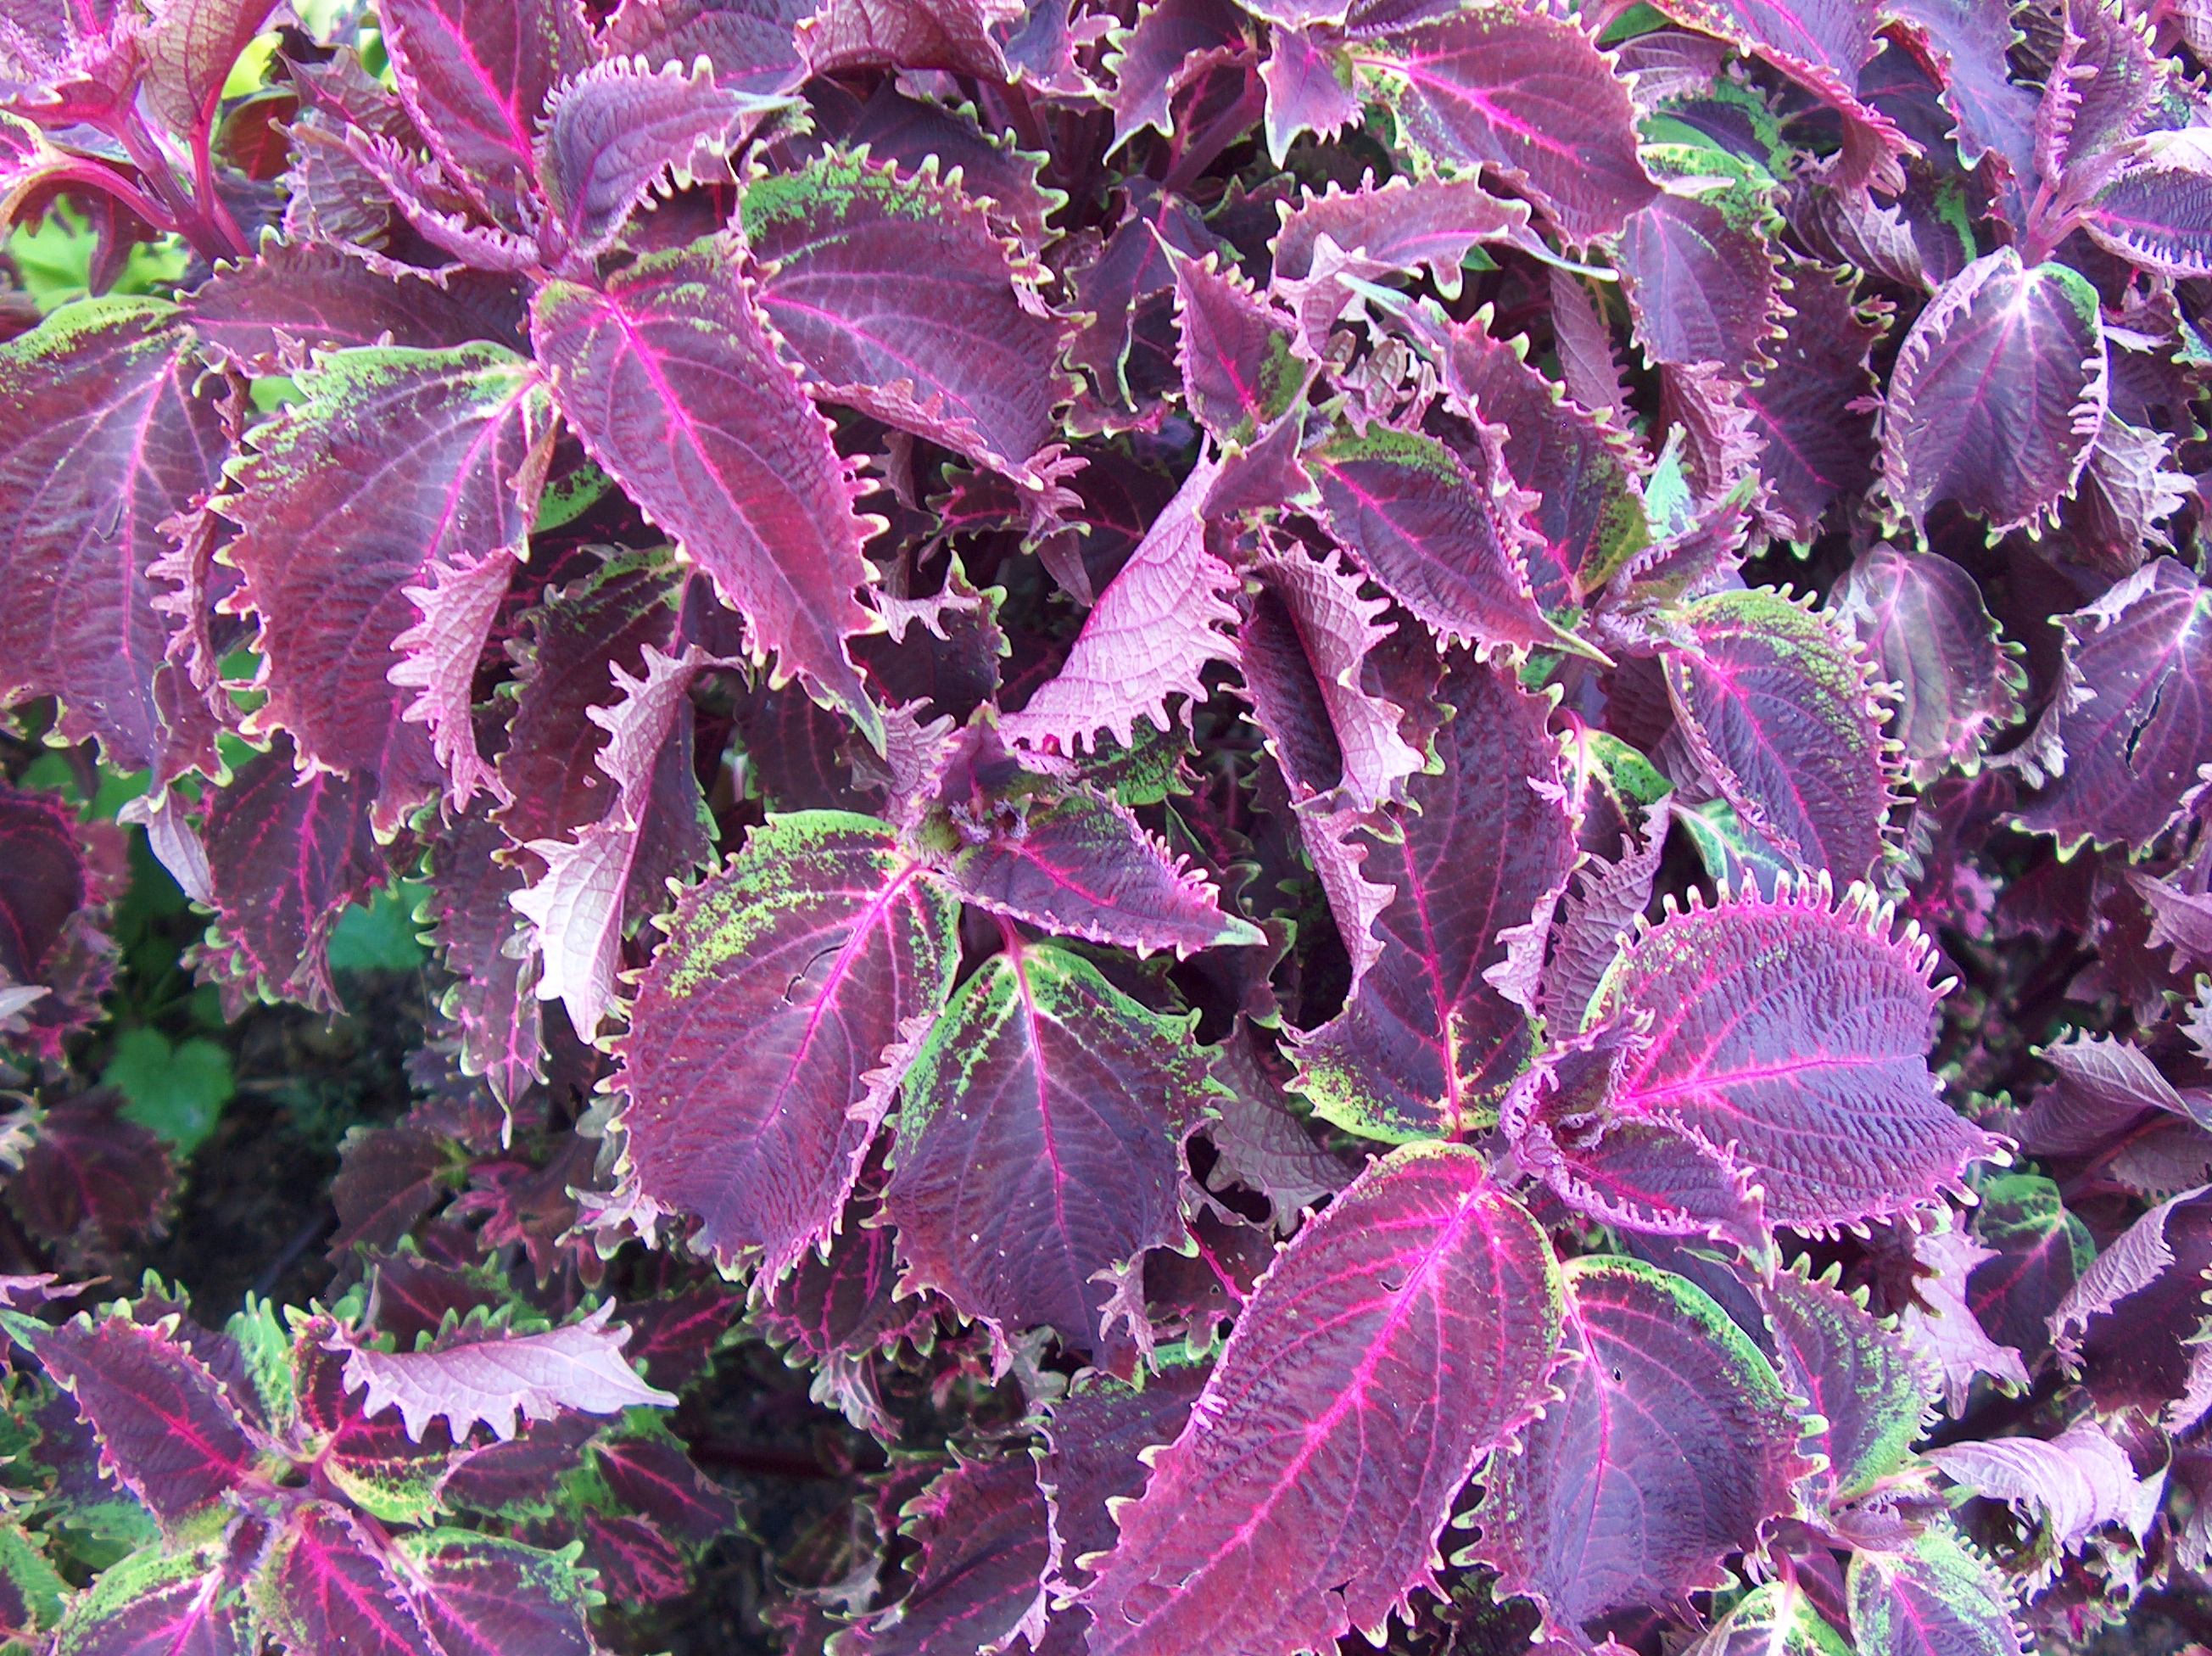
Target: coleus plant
[[1279, 722]]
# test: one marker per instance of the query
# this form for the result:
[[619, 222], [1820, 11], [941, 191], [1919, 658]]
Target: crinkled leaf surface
[[1796, 1030], [1238, 371], [1855, 1375], [1674, 1444], [160, 1603], [749, 42], [1038, 1142], [1933, 1598], [1427, 1045], [1406, 1332], [1816, 446], [671, 381], [483, 1595], [772, 1026], [322, 1589], [1774, 699], [475, 75], [980, 1578]]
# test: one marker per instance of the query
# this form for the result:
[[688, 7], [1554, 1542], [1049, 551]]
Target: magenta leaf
[[475, 75], [333, 550], [1698, 274], [1775, 702], [955, 35], [1673, 1445], [492, 1377], [979, 1581], [655, 1478], [1415, 518], [1923, 626], [1093, 1437], [2157, 215], [1407, 1333], [189, 50], [1238, 373], [1998, 392], [374, 1462], [1081, 1098], [771, 1028], [483, 1595], [494, 994], [287, 854], [167, 1431], [899, 298], [1084, 866], [1306, 636], [1819, 447], [749, 42], [1795, 1030], [837, 1310], [1152, 631], [157, 1603], [2039, 1252], [614, 133], [1528, 95], [2124, 739], [669, 380], [1932, 1599], [1426, 1046], [1857, 1376], [102, 441], [326, 1588], [1305, 91], [1940, 1326]]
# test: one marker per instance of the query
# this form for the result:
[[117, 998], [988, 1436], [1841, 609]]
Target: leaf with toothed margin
[[1305, 636], [2077, 1482], [1153, 630], [1818, 448], [324, 1588], [954, 35], [1775, 702], [1080, 1098], [1305, 91], [1857, 1376], [167, 1431], [493, 1377], [898, 297], [614, 132], [668, 377], [2159, 215], [1410, 513], [1923, 624], [979, 1580], [1239, 376], [102, 441], [1796, 1031], [287, 854], [475, 75], [494, 993], [1425, 1045], [2130, 1328], [749, 42], [188, 48], [1526, 94], [2039, 1252], [1968, 44], [483, 1595], [1403, 225], [1673, 1445], [323, 299], [2126, 739], [1698, 271], [772, 1026], [602, 882], [1777, 1619], [1406, 1332], [1084, 867], [1932, 1598], [157, 1603], [53, 912], [1148, 59], [1997, 395], [399, 471]]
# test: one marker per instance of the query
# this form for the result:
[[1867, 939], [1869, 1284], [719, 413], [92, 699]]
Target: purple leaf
[[749, 42], [898, 297], [1169, 41], [1084, 866], [1426, 1046], [1094, 1435], [292, 299], [1304, 92], [1775, 700], [1081, 1098], [1856, 1375], [388, 1179], [1152, 631], [92, 1183], [374, 1462], [1407, 1333], [1305, 637], [490, 1379], [657, 1480], [2079, 1480], [2157, 215], [399, 468], [614, 132], [102, 441], [324, 1588], [979, 1581], [287, 854], [1966, 44], [1673, 1445], [1940, 1326], [1602, 907], [1239, 375], [954, 35], [1778, 1619], [2124, 739], [1820, 448], [669, 379], [1923, 625], [1932, 1599], [480, 1595], [771, 1028], [1414, 517], [2128, 1324], [476, 74], [52, 913], [167, 1434], [1795, 1030], [189, 48], [158, 1604], [1700, 279], [1998, 392], [1530, 96], [494, 994], [2039, 1252]]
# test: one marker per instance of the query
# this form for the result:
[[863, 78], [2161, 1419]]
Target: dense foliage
[[1390, 814]]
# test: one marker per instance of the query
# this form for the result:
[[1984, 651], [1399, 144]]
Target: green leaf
[[379, 935], [178, 1091]]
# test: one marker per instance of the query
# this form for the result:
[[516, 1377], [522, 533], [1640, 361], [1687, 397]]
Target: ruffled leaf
[[749, 42], [1239, 375], [475, 75], [979, 1580], [1819, 442], [1857, 1376], [1932, 1599]]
